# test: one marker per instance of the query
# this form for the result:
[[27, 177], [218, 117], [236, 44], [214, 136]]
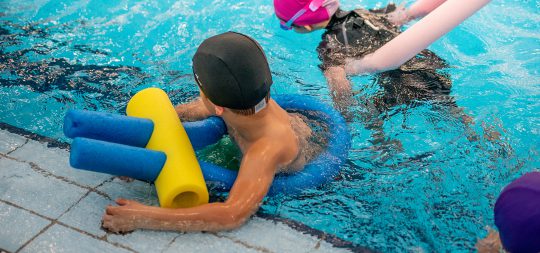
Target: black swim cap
[[232, 71]]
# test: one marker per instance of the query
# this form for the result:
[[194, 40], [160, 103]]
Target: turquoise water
[[418, 177]]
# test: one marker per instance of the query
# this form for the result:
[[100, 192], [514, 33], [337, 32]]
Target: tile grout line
[[295, 225], [94, 190], [172, 241], [320, 235], [35, 236], [89, 189], [240, 242], [55, 221], [16, 148], [46, 173], [74, 204]]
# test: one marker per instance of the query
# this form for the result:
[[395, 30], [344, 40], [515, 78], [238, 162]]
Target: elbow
[[235, 218]]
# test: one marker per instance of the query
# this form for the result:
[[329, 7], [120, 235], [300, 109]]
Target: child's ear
[[219, 110]]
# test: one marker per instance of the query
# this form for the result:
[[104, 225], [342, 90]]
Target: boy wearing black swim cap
[[234, 80]]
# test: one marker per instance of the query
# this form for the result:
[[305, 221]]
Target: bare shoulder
[[278, 150], [264, 155]]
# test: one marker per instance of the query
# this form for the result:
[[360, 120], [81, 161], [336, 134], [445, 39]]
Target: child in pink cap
[[370, 41]]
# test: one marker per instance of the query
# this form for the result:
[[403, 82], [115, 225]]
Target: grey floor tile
[[86, 215], [47, 195], [208, 243], [144, 240], [325, 247], [9, 141], [23, 186], [142, 192], [62, 239], [275, 236], [56, 161], [18, 226]]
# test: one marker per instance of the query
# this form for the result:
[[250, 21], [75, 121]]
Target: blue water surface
[[421, 176]]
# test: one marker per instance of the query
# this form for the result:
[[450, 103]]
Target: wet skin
[[269, 145]]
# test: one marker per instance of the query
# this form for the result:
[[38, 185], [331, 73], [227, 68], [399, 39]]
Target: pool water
[[421, 175]]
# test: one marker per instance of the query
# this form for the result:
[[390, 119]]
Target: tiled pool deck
[[46, 206]]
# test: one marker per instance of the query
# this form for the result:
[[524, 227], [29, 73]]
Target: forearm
[[192, 111], [340, 88], [209, 217], [337, 81], [245, 197]]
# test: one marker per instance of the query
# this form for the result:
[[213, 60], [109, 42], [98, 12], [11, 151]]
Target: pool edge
[[295, 225]]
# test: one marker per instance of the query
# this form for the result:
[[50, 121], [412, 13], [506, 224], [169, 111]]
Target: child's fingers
[[110, 210], [122, 202]]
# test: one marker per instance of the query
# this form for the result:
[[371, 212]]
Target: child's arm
[[192, 111], [418, 37], [254, 179], [340, 87]]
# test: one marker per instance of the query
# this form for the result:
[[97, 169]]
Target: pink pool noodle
[[418, 37], [421, 8]]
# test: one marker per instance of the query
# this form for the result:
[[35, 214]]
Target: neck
[[252, 126]]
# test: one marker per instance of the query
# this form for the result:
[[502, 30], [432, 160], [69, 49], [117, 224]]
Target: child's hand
[[399, 16], [352, 66], [489, 244], [124, 217], [357, 66], [365, 65]]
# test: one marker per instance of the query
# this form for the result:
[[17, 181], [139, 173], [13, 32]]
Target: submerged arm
[[192, 111], [417, 38], [254, 179], [340, 87]]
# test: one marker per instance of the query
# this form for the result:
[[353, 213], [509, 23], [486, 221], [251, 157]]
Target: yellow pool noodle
[[180, 182]]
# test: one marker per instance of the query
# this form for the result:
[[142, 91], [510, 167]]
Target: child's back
[[357, 33]]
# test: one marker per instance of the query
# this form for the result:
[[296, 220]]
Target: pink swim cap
[[286, 9]]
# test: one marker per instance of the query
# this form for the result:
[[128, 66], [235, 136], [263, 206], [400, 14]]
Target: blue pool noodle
[[116, 159], [134, 131], [205, 132], [108, 127], [140, 163]]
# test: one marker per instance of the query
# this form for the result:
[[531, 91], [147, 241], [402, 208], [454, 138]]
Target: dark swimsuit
[[360, 32]]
